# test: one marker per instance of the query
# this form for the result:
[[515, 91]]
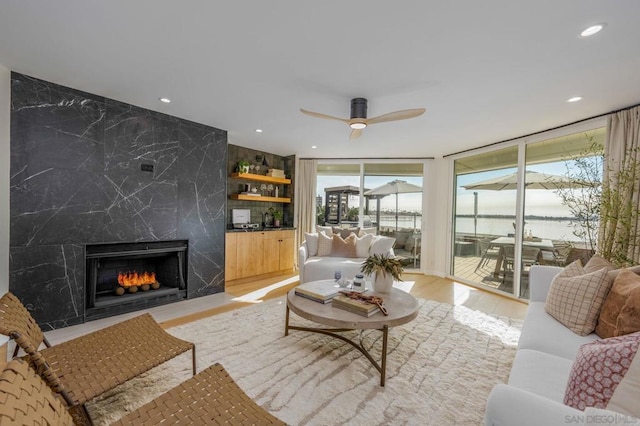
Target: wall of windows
[[513, 209]]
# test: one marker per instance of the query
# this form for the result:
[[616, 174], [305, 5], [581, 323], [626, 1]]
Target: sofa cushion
[[542, 332], [401, 237], [345, 232], [363, 244], [575, 297], [540, 373], [381, 245], [598, 369], [364, 231], [624, 293], [312, 243], [323, 268], [343, 247], [325, 243], [625, 397]]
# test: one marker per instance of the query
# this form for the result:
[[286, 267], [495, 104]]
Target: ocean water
[[548, 229]]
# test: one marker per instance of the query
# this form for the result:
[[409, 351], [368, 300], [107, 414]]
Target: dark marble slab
[[202, 197], [49, 280], [206, 267]]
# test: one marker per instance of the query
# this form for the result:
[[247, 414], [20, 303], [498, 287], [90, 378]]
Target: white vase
[[383, 283]]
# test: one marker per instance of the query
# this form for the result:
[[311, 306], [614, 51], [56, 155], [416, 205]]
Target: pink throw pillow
[[598, 369]]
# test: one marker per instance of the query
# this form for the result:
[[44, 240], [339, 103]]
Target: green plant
[[584, 202], [382, 264], [243, 164], [352, 213], [277, 214]]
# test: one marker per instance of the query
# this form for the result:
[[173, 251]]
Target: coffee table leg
[[286, 322], [383, 372]]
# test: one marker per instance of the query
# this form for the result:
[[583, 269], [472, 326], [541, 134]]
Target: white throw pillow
[[324, 244], [326, 229], [312, 243], [381, 245], [363, 244]]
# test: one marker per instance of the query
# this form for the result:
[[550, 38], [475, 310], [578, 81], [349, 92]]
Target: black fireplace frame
[[94, 253]]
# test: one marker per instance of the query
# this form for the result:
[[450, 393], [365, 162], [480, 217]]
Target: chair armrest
[[302, 258], [540, 278], [508, 406]]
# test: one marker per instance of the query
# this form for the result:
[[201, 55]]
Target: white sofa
[[313, 268], [538, 378]]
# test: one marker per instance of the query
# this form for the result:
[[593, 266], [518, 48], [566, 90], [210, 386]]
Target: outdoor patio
[[465, 267]]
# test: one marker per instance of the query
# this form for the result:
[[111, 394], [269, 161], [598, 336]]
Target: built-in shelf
[[260, 198], [260, 178]]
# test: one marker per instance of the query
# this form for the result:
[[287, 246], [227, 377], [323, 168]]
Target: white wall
[[436, 209], [5, 155]]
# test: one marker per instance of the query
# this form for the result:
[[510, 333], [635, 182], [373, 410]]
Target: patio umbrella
[[533, 180], [394, 187]]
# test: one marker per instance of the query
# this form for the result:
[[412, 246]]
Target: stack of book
[[356, 306], [318, 291]]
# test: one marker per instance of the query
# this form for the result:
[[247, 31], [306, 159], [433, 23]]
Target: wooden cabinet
[[255, 253], [263, 179], [278, 251]]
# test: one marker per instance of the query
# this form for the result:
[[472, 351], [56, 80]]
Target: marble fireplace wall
[[76, 178]]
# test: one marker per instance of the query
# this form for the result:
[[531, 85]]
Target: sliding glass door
[[382, 195], [528, 204]]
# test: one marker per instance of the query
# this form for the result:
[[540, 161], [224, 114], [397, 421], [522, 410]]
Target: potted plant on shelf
[[243, 166], [386, 269], [277, 216]]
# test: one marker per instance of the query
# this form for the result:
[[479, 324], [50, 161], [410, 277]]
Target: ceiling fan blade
[[319, 115], [355, 133], [397, 115]]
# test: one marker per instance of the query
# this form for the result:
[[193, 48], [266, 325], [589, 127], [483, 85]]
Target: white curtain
[[618, 237], [305, 200]]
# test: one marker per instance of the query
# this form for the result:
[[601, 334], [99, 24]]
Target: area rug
[[440, 369]]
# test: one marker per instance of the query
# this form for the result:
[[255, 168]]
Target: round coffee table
[[401, 306]]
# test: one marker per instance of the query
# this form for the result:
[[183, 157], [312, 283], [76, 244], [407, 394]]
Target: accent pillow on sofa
[[624, 295], [365, 231], [605, 374], [381, 245], [312, 243], [326, 229], [363, 244], [324, 244], [345, 232], [597, 262], [575, 298], [343, 247]]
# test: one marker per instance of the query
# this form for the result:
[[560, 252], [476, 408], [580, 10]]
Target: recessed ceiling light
[[574, 99], [313, 146], [258, 130], [165, 100], [594, 29]]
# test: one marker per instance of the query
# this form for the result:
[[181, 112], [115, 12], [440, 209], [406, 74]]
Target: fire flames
[[130, 279]]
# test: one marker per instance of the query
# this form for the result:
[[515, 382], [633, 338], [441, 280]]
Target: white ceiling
[[485, 70]]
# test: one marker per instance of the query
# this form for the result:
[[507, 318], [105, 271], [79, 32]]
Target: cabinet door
[[230, 256], [250, 248], [287, 250], [272, 251]]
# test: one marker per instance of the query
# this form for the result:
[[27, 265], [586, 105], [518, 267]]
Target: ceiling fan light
[[358, 125]]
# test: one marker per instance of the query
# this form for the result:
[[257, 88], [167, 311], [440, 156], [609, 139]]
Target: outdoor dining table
[[511, 241]]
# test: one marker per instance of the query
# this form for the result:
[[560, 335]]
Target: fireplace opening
[[126, 277]]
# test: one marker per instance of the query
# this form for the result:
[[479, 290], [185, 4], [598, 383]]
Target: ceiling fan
[[359, 120]]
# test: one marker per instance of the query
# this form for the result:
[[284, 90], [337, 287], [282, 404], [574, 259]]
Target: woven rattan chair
[[85, 367], [209, 397], [25, 398]]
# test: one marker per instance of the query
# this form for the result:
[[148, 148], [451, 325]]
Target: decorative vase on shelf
[[383, 283]]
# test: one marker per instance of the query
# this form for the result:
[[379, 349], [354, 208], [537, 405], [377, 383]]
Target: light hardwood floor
[[241, 295]]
